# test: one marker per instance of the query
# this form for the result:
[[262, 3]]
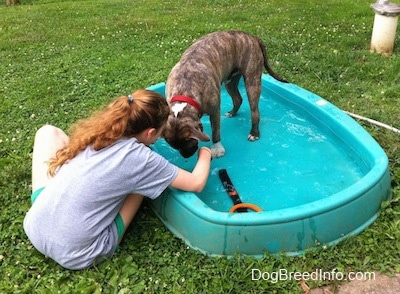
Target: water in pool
[[296, 161]]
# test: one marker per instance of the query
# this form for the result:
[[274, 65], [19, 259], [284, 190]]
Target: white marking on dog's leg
[[178, 107], [250, 137], [217, 150]]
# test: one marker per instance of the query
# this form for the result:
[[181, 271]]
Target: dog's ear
[[199, 135]]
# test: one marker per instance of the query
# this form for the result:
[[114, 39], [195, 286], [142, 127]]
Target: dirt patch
[[382, 284]]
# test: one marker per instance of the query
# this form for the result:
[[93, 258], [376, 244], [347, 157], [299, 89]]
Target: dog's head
[[184, 134]]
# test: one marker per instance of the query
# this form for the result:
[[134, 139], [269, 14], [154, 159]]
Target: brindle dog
[[194, 84]]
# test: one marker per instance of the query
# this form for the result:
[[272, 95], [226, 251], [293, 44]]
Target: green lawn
[[59, 60]]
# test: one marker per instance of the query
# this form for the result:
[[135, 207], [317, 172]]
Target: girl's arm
[[196, 180]]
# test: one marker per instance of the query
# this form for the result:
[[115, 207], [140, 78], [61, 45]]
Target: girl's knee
[[49, 131], [46, 130]]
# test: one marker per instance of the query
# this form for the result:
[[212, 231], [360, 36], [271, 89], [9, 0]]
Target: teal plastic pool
[[317, 175]]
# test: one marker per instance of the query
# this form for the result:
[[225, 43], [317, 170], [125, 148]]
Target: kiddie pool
[[317, 175]]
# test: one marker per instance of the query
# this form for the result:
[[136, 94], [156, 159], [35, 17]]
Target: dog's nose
[[188, 152]]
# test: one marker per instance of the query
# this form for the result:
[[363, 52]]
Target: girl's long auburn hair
[[121, 118]]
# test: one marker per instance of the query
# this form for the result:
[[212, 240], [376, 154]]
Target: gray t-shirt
[[72, 220]]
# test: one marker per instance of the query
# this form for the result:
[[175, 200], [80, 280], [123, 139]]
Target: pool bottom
[[297, 160]]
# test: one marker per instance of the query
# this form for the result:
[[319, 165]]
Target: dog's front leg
[[217, 149]]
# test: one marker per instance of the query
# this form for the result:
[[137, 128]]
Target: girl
[[87, 188]]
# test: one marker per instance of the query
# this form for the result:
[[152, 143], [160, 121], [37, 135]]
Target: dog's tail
[[266, 64]]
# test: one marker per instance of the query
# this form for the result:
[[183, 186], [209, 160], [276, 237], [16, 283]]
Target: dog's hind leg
[[253, 88], [233, 90]]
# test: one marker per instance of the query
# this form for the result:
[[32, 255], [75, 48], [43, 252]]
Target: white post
[[385, 25]]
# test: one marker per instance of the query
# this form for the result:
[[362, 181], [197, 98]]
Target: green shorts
[[36, 194], [118, 219]]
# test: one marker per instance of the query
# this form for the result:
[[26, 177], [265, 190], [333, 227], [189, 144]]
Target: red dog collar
[[180, 98]]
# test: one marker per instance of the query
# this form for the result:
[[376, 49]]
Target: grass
[[62, 59]]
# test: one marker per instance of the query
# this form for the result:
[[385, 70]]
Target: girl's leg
[[129, 209], [48, 140]]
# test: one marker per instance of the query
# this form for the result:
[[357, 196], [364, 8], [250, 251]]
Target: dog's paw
[[217, 150], [230, 114], [252, 137]]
